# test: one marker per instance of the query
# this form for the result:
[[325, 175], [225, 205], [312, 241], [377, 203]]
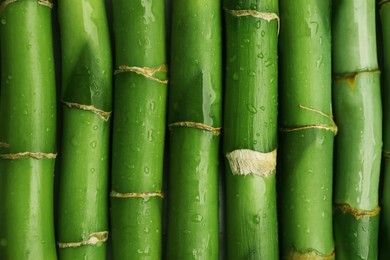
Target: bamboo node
[[4, 145], [310, 254], [350, 78], [333, 127], [386, 154], [115, 194], [38, 156], [245, 162], [4, 4], [103, 114], [94, 239], [144, 71], [214, 130], [256, 14], [345, 208]]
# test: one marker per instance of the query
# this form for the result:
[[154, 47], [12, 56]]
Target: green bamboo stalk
[[139, 129], [28, 130], [250, 128], [307, 130], [194, 122], [86, 98], [384, 252], [358, 113]]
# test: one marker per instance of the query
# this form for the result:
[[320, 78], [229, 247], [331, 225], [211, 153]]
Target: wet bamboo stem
[[139, 129], [86, 101], [250, 128], [358, 114], [194, 121], [28, 130], [307, 130]]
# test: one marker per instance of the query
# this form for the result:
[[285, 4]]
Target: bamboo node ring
[[103, 114], [144, 71], [214, 130], [256, 14], [115, 194], [94, 239], [46, 3], [313, 254], [33, 155], [345, 208], [245, 162], [4, 145]]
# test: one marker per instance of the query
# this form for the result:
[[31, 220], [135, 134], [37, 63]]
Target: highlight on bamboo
[[196, 129]]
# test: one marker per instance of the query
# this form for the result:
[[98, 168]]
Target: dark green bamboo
[[384, 252], [250, 128], [139, 129], [28, 130], [194, 121], [357, 105], [86, 99], [307, 130]]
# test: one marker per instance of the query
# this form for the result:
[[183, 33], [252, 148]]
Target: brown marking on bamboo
[[103, 114], [350, 78], [40, 2], [267, 16], [245, 162], [94, 239], [34, 155], [309, 254], [214, 130], [144, 71], [346, 208], [115, 194], [333, 127], [4, 145]]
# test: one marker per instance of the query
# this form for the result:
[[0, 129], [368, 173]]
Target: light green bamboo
[[250, 128], [194, 121], [307, 130], [139, 129], [358, 114], [28, 130], [86, 100]]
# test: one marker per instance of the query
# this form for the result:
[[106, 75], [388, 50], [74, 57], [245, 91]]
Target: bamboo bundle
[[358, 113], [250, 128], [307, 130], [28, 130], [139, 129]]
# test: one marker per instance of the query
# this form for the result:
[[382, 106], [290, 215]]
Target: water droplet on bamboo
[[235, 76], [256, 219], [252, 108]]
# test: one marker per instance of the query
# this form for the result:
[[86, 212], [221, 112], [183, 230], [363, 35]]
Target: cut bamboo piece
[[139, 129], [307, 130], [86, 101], [195, 121], [28, 131], [250, 128], [358, 113]]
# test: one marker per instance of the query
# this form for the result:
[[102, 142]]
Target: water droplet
[[146, 170], [262, 108], [260, 55], [152, 106], [95, 127], [256, 219], [197, 218], [268, 63], [252, 73], [258, 24], [246, 40], [236, 76], [150, 136], [252, 108], [3, 21], [146, 230], [263, 33], [93, 144], [93, 170]]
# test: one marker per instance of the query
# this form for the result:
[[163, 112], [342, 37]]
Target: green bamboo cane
[[250, 128], [194, 122], [86, 98], [139, 129], [28, 130], [358, 114], [384, 253], [307, 130]]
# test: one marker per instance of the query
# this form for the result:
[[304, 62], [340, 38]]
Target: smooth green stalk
[[139, 129], [384, 252], [28, 130], [358, 113], [250, 128], [86, 98], [194, 121], [307, 130]]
